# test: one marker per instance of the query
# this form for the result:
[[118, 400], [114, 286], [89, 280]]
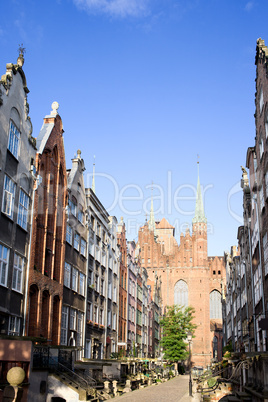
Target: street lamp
[[189, 339]]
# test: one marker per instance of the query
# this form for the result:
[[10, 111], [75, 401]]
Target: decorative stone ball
[[15, 376]]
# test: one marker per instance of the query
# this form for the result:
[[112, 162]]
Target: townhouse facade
[[249, 271], [17, 163], [75, 264]]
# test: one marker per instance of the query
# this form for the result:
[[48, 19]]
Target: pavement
[[176, 389]]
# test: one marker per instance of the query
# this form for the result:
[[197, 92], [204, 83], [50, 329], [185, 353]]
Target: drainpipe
[[37, 180]]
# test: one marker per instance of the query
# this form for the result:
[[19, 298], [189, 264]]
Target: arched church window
[[215, 305], [181, 293]]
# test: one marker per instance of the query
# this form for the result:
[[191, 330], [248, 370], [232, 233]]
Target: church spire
[[199, 207], [93, 177], [151, 222]]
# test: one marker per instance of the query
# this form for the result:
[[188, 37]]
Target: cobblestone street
[[176, 389]]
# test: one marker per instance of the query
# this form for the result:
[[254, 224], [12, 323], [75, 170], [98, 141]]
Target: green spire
[[151, 223], [199, 207]]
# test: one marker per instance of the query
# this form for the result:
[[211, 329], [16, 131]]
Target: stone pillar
[[115, 387], [107, 386], [127, 386]]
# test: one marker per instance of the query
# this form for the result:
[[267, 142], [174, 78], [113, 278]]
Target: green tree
[[176, 323]]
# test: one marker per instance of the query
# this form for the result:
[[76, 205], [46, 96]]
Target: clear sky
[[146, 86]]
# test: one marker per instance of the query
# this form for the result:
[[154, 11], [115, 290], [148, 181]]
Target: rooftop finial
[[79, 154], [54, 110], [93, 177], [20, 59], [151, 222]]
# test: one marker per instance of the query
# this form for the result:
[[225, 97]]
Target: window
[[257, 284], [261, 149], [17, 273], [97, 283], [72, 207], [72, 319], [79, 328], [69, 234], [14, 139], [261, 100], [101, 317], [14, 325], [265, 252], [89, 311], [115, 295], [4, 255], [181, 293], [8, 197], [215, 305], [64, 325], [114, 321], [76, 241], [82, 284], [74, 279], [96, 310], [109, 318], [262, 204], [102, 287], [80, 215], [23, 209], [67, 275], [266, 183], [266, 125], [83, 247], [88, 349]]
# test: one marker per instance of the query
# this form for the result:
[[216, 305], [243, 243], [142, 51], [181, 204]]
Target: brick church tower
[[188, 276]]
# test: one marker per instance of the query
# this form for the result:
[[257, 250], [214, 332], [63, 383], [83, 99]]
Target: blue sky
[[146, 86]]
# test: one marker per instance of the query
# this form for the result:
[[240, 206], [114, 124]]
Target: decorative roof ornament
[[93, 177], [54, 110], [199, 207], [22, 51]]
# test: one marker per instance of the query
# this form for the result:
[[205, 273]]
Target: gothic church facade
[[189, 277]]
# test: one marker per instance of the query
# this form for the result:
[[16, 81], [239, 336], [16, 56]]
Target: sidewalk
[[176, 390]]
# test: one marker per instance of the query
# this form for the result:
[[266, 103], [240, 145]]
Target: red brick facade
[[48, 234], [187, 262]]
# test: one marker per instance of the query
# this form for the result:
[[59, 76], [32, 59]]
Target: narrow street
[[176, 389]]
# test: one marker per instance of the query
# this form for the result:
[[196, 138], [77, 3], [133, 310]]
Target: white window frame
[[64, 325], [73, 314], [72, 207], [4, 259], [79, 336], [8, 197], [23, 208], [18, 268], [82, 280], [76, 241], [67, 275], [14, 325], [83, 247], [69, 234], [75, 279], [114, 321], [14, 139]]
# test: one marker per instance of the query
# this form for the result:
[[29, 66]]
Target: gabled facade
[[101, 320], [75, 265], [47, 257], [17, 156], [123, 287]]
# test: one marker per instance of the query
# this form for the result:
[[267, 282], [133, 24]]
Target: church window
[[215, 305], [214, 272], [219, 272], [181, 293]]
